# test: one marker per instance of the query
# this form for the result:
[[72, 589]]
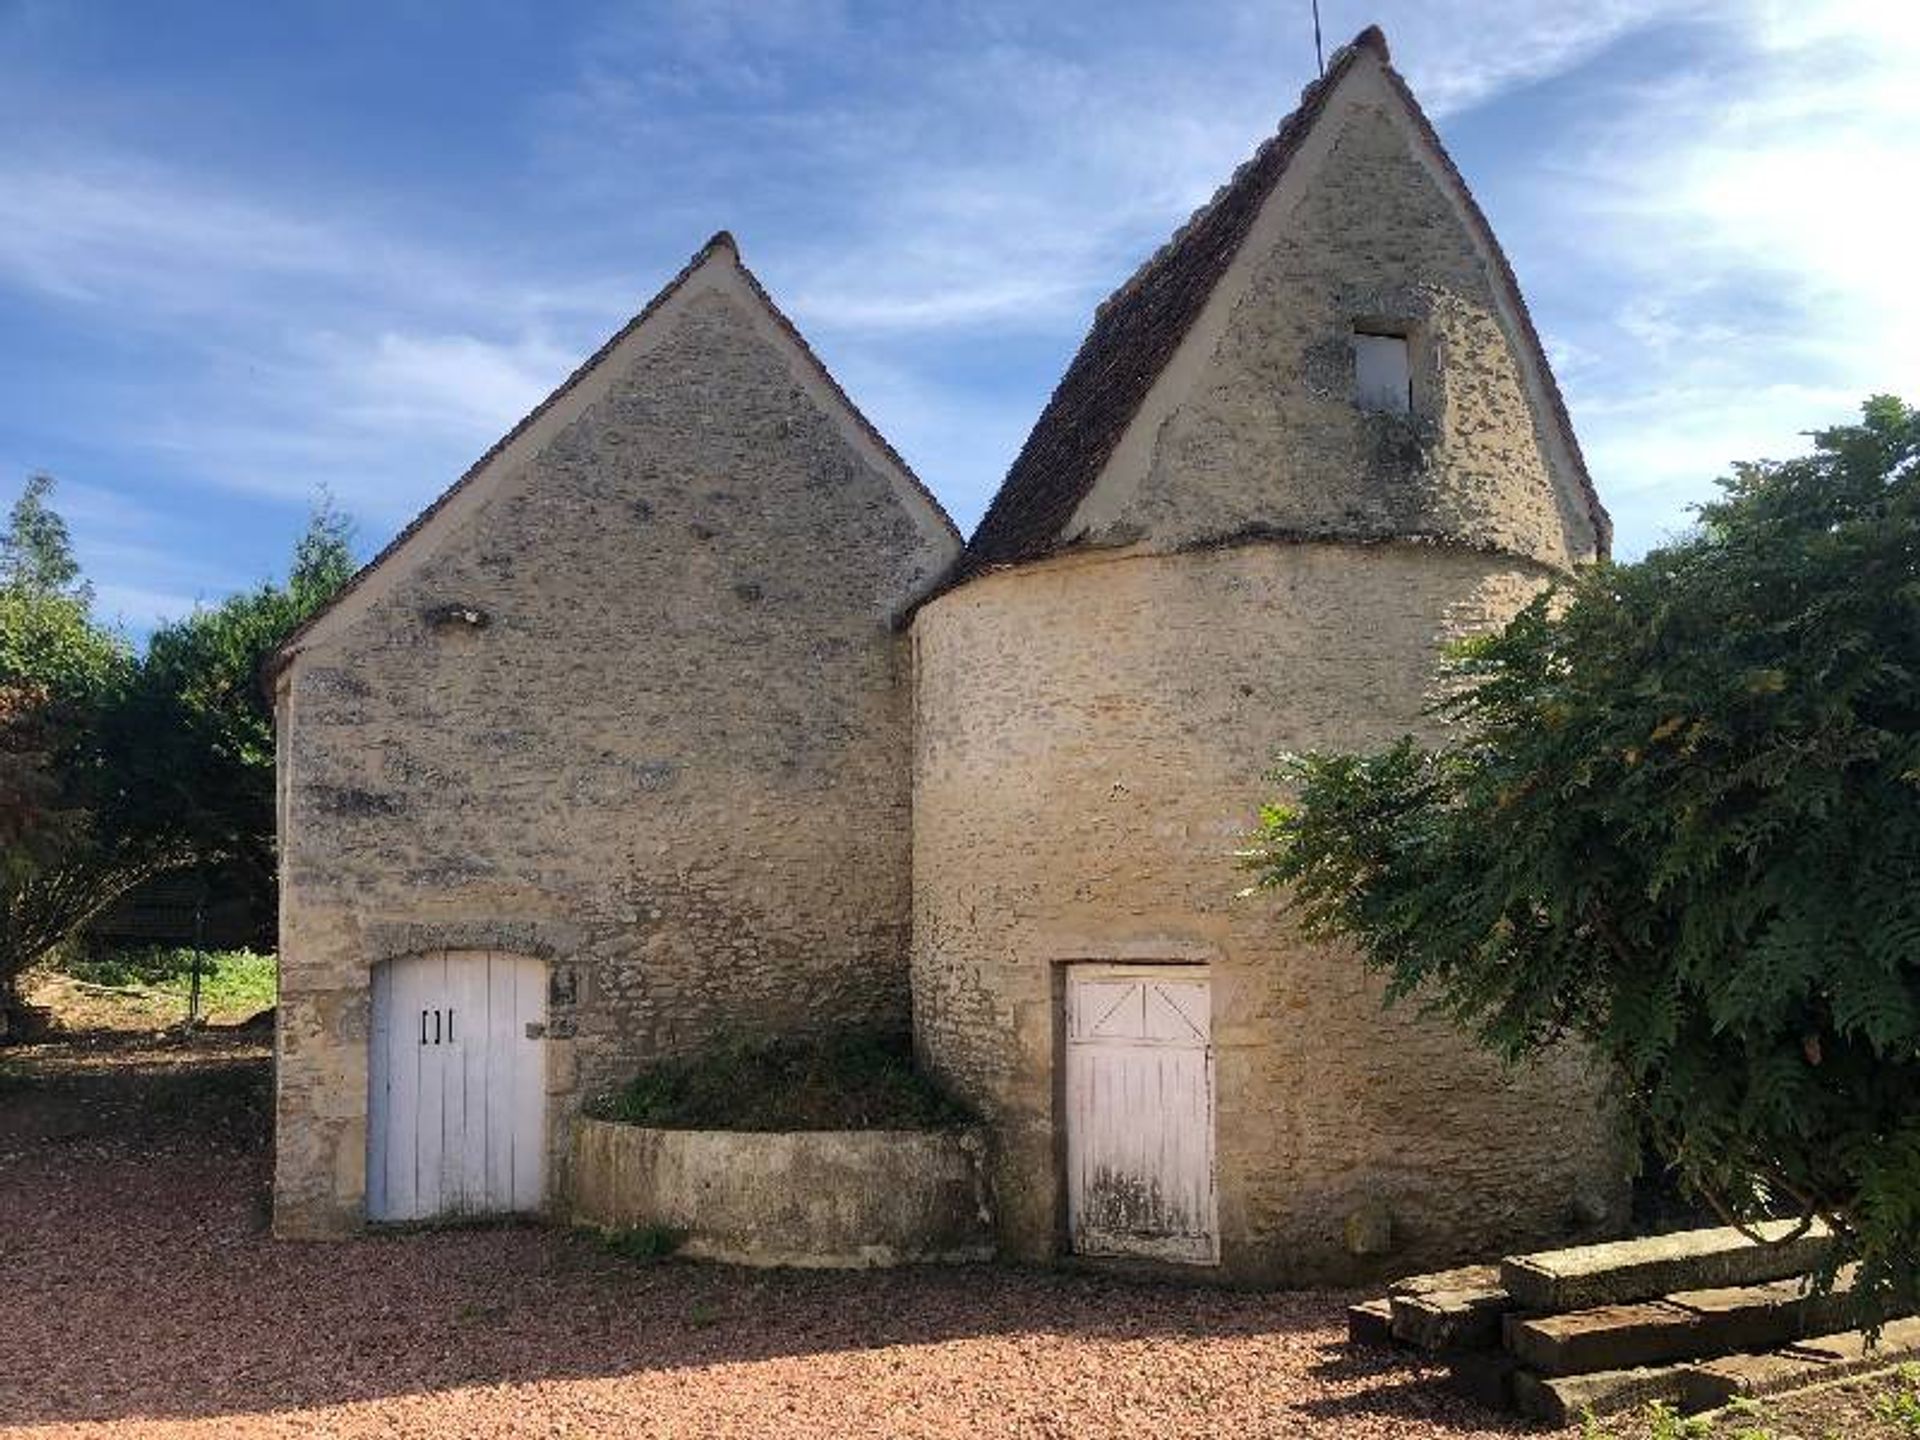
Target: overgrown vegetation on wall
[[118, 765], [859, 1081], [1678, 817]]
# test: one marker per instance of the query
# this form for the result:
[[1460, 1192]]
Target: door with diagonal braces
[[1139, 1112]]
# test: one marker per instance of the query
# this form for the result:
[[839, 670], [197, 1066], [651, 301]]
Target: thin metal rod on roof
[[1319, 54]]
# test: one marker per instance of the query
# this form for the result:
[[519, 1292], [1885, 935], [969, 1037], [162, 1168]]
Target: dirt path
[[140, 1295], [139, 1291]]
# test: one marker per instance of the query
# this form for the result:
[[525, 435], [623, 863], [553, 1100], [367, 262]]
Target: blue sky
[[247, 250]]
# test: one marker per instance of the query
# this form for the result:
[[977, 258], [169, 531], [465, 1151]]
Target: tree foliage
[[59, 673], [1676, 814], [197, 733], [67, 847], [116, 768], [36, 553], [55, 670]]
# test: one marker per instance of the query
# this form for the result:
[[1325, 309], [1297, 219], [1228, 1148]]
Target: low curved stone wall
[[831, 1199]]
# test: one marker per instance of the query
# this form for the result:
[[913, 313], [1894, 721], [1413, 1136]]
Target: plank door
[[1139, 1112], [456, 1077]]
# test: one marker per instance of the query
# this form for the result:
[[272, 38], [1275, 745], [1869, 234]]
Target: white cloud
[[1458, 54], [98, 229], [1021, 164], [1744, 213], [294, 348], [1753, 208], [454, 383]]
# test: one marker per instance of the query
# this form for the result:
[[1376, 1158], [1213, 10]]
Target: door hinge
[[536, 1030]]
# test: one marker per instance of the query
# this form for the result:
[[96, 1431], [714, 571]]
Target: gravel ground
[[139, 1291]]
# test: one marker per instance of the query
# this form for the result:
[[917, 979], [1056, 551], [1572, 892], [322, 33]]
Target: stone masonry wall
[[1090, 738], [671, 755]]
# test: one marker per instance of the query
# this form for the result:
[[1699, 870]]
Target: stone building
[[1313, 437], [622, 718], [684, 715]]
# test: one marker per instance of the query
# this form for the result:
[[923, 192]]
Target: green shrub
[[1666, 1423], [1674, 812], [857, 1081]]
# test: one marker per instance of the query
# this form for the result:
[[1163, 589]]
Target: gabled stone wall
[[1271, 439], [640, 709], [1251, 430]]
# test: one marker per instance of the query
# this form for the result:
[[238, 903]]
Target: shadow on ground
[[137, 1280]]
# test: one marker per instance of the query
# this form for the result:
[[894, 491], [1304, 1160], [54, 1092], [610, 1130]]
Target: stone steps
[[1695, 1320], [1623, 1271], [1464, 1317], [1370, 1323], [1682, 1326], [1696, 1386]]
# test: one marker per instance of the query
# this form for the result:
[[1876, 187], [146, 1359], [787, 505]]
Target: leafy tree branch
[[1675, 815]]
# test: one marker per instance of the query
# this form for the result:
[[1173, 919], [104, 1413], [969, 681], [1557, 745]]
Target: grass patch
[[860, 1081], [236, 982], [1900, 1405], [1881, 1405]]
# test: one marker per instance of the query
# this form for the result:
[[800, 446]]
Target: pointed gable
[[715, 267], [1042, 507]]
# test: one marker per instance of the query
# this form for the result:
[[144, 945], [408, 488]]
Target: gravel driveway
[[139, 1291]]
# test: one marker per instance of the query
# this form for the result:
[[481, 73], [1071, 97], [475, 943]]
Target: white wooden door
[[456, 1078], [1139, 1112]]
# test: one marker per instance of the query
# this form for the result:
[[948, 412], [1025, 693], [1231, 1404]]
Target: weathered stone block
[[1450, 1319], [1709, 1384], [1623, 1271], [1563, 1400], [1751, 1317], [818, 1199], [1370, 1323], [1464, 1277], [1607, 1337], [1898, 1340]]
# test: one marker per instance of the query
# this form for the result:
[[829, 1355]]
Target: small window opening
[[1382, 373]]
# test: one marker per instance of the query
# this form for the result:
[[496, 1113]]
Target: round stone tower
[[1311, 441]]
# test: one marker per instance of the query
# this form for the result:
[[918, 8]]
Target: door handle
[[449, 1025], [423, 1027], [436, 1027]]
